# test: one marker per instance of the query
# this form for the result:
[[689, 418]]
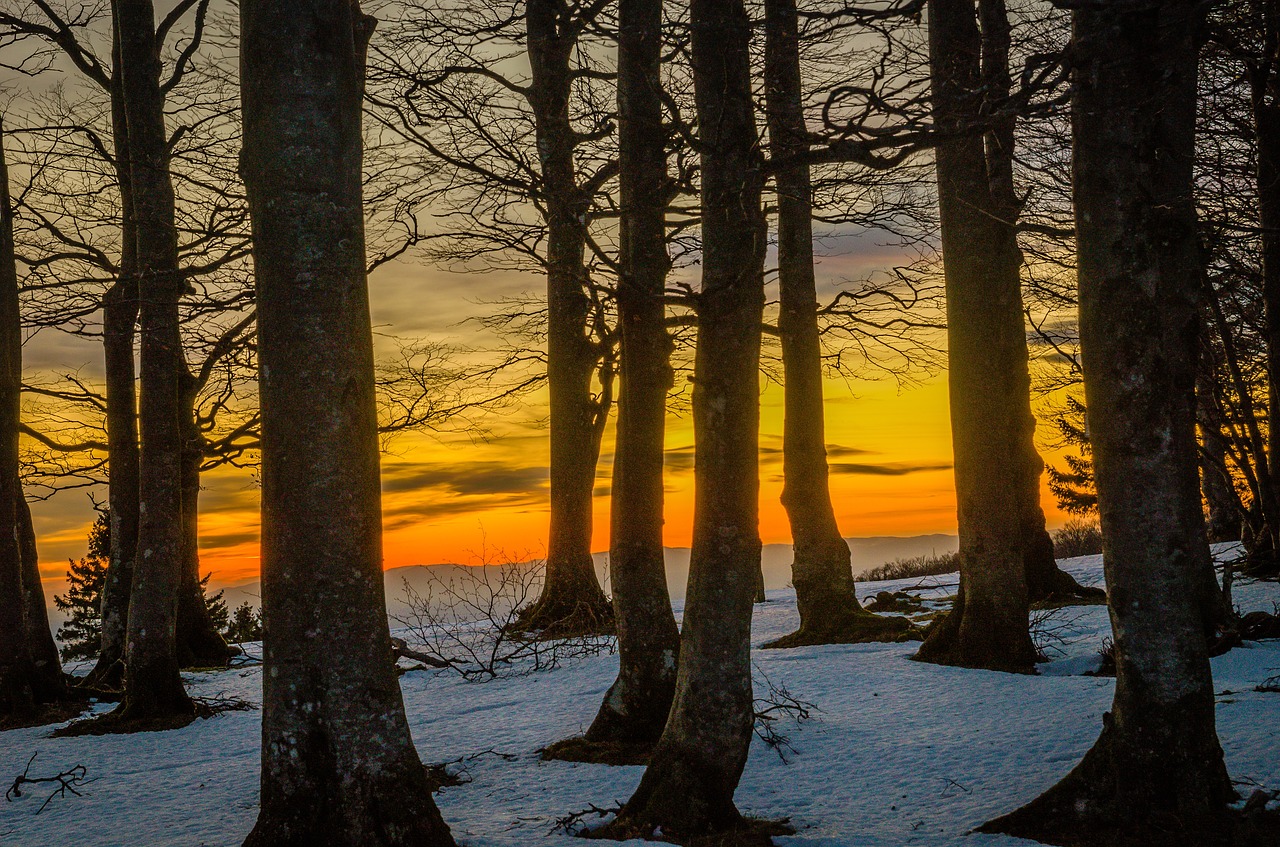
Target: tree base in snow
[[857, 628], [563, 617], [44, 714], [1148, 792], [581, 749], [749, 832]]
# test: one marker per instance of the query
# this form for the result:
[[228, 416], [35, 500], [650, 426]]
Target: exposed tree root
[[852, 628], [581, 749], [120, 722]]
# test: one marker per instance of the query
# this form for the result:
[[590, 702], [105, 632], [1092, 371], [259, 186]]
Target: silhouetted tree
[[822, 571], [991, 420], [30, 672], [1156, 773], [338, 763], [687, 790], [81, 635], [636, 706]]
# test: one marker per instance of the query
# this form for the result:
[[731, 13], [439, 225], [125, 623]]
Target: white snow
[[901, 753]]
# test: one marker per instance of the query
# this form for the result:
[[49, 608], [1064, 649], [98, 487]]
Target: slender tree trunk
[[571, 599], [199, 642], [1156, 772], [991, 421], [338, 764], [20, 689], [635, 709], [153, 686], [822, 572], [1225, 509], [688, 787], [119, 320]]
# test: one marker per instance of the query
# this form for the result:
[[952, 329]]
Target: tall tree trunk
[[199, 642], [119, 320], [635, 709], [1264, 80], [991, 421], [20, 689], [822, 572], [571, 599], [1156, 772], [153, 686], [50, 683], [688, 787], [338, 764]]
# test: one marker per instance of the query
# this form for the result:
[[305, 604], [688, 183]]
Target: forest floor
[[896, 752]]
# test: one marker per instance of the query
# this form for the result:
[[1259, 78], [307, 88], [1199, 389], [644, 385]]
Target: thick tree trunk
[[20, 688], [822, 572], [338, 764], [119, 320], [688, 788], [571, 600], [635, 709], [199, 642], [1265, 85], [153, 686], [1156, 772], [991, 421], [51, 684]]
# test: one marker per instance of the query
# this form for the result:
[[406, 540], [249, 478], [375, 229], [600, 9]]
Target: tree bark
[[688, 788], [50, 683], [199, 642], [636, 706], [1264, 79], [153, 686], [571, 599], [991, 421], [822, 572], [20, 689], [119, 319], [338, 764], [1156, 772]]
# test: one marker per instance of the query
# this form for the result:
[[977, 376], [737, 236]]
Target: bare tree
[[636, 706], [1157, 760], [821, 571], [30, 677], [338, 763], [687, 790]]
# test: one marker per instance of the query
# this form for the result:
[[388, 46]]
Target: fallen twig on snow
[[68, 780]]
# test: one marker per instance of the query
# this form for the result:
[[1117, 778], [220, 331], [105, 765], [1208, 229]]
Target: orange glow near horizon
[[891, 457]]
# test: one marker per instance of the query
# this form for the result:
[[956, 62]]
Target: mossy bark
[[338, 764], [1157, 764]]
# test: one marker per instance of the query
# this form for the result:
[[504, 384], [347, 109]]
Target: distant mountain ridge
[[866, 553]]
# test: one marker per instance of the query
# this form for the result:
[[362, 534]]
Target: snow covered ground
[[901, 752]]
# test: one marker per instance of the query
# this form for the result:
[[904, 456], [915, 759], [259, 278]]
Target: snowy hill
[[900, 753]]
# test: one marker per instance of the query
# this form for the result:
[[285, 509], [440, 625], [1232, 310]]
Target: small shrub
[[465, 620], [1079, 537], [915, 566]]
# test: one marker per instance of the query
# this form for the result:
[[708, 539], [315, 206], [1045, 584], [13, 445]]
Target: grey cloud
[[887, 469]]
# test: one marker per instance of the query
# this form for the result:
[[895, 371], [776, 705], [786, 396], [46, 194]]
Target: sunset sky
[[447, 494]]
